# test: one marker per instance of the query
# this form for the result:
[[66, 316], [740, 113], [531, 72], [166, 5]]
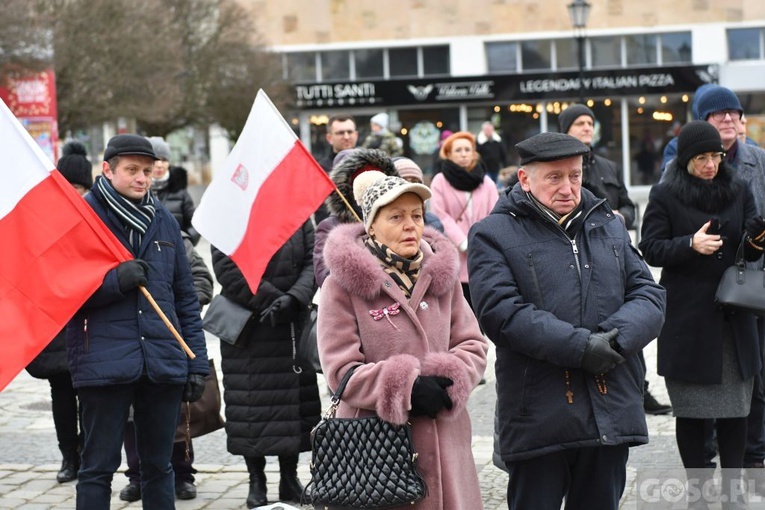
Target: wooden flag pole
[[347, 204], [167, 322]]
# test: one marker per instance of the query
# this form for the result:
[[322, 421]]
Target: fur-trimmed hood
[[341, 175], [707, 196], [358, 271]]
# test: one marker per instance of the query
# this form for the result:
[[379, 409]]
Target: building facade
[[436, 65]]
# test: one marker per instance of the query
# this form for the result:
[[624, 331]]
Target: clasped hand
[[600, 353], [279, 311], [429, 395]]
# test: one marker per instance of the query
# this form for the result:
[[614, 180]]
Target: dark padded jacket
[[538, 296], [116, 337]]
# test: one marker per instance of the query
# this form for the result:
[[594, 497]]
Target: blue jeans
[[104, 415]]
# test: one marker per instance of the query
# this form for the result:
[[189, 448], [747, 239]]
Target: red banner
[[32, 99]]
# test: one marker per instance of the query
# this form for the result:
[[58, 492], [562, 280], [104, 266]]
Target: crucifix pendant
[[570, 396]]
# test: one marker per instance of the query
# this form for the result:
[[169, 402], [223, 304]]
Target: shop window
[[653, 122], [301, 67], [535, 55], [566, 56], [435, 60], [402, 62], [421, 131], [641, 49], [745, 44], [369, 63], [335, 65], [502, 57], [676, 48], [606, 51]]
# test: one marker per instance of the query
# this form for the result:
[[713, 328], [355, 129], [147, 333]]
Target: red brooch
[[386, 312]]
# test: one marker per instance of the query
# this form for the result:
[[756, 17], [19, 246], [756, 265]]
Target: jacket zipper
[[85, 332], [575, 249]]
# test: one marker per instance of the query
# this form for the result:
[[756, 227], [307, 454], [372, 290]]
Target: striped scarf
[[136, 218], [403, 271], [570, 222]]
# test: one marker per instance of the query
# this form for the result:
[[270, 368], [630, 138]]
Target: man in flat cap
[[120, 351], [568, 301]]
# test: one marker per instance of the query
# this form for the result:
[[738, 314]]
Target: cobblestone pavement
[[29, 457]]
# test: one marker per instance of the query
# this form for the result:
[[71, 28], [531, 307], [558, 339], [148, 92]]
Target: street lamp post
[[579, 11]]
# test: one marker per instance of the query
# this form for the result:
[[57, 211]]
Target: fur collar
[[708, 196], [359, 272], [341, 176]]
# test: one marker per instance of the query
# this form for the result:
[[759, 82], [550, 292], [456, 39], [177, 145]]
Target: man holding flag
[[120, 352]]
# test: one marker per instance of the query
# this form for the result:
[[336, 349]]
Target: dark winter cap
[[75, 166], [570, 114], [129, 145], [550, 147], [716, 99], [697, 137]]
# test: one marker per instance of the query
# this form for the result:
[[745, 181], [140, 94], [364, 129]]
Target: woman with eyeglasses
[[693, 224]]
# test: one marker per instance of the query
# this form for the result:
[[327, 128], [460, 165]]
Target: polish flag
[[268, 187], [55, 252]]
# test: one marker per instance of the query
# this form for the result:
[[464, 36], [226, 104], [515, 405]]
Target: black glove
[[280, 311], [755, 229], [599, 357], [195, 387], [429, 395], [131, 274]]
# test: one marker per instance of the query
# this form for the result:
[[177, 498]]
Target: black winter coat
[[538, 296], [176, 199], [52, 360], [690, 344], [270, 409], [605, 180]]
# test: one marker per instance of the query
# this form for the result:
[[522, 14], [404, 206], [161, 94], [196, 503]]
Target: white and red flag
[[55, 252], [268, 187]]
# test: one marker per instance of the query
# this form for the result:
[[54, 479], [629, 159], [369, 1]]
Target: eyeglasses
[[348, 132], [701, 160], [719, 116]]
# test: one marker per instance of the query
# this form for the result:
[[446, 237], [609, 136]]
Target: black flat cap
[[550, 147], [129, 145]]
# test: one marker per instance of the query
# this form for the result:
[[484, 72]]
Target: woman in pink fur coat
[[394, 305], [462, 194]]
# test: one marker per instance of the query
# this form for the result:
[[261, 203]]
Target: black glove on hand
[[599, 357], [755, 229], [429, 395], [195, 387], [131, 274], [280, 311]]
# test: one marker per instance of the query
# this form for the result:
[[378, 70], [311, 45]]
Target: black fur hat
[[74, 164], [356, 162]]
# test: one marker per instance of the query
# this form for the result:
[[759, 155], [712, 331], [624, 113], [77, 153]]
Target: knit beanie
[[408, 169], [697, 97], [716, 99], [161, 148], [374, 190], [75, 166], [381, 119], [570, 114], [697, 137]]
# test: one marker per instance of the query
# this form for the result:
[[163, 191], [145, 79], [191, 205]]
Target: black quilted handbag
[[361, 462]]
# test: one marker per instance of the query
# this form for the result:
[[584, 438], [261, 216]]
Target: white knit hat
[[381, 119], [374, 190]]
